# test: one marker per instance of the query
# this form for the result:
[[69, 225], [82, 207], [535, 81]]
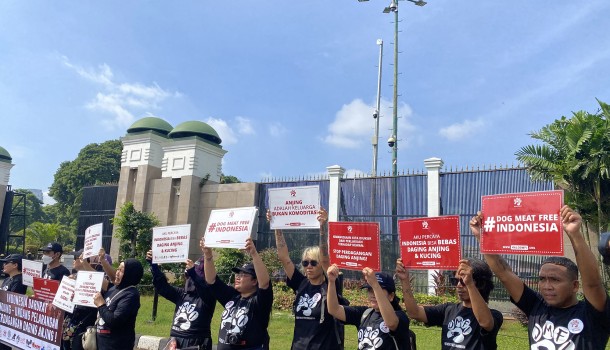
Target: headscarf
[[132, 275]]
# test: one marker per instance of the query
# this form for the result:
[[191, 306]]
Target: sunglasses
[[306, 263], [454, 281]]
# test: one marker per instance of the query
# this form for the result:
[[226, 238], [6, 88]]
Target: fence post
[[433, 166], [335, 174]]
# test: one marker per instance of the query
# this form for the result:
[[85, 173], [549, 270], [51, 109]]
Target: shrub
[[519, 316]]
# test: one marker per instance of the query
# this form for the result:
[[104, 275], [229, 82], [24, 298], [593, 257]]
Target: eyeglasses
[[241, 275], [454, 281], [306, 263]]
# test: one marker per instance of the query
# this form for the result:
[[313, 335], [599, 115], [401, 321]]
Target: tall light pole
[[377, 115]]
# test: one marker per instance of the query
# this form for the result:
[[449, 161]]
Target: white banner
[[29, 270], [93, 240], [65, 292], [87, 284], [294, 207], [170, 244], [229, 228]]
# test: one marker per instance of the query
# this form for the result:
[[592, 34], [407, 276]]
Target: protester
[[469, 324], [51, 255], [556, 318], [247, 305], [381, 326], [118, 308], [195, 305], [314, 327], [12, 268], [76, 323]]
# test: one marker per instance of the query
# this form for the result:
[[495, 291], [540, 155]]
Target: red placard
[[45, 289], [354, 245], [523, 223], [430, 243]]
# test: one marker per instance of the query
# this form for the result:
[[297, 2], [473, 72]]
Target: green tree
[[229, 179], [135, 231], [38, 234], [33, 210]]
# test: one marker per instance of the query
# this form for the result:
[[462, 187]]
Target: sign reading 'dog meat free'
[[294, 207], [354, 245], [229, 228], [523, 223], [430, 243]]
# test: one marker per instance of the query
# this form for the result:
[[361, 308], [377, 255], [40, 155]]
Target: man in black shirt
[[12, 268], [50, 257]]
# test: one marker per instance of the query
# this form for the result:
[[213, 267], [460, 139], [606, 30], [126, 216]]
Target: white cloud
[[244, 126], [227, 135], [461, 130], [277, 129]]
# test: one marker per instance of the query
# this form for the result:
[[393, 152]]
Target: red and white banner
[[87, 284], [93, 240], [294, 207], [523, 223], [45, 289], [29, 270], [229, 228], [28, 323], [64, 295], [354, 245], [171, 244], [430, 243]]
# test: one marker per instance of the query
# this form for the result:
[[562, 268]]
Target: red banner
[[523, 223], [45, 289], [354, 245], [430, 243]]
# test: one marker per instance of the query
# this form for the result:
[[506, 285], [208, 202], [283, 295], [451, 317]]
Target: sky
[[291, 86]]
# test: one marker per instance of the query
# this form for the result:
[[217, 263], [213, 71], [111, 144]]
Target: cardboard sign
[[294, 207], [45, 289], [88, 283], [28, 323], [29, 270], [171, 244], [229, 228], [523, 223], [93, 240], [430, 243], [354, 245], [64, 295]]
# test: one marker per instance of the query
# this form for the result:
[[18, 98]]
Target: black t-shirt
[[576, 327], [117, 324], [373, 332], [56, 273], [14, 284], [311, 330], [244, 320], [460, 327]]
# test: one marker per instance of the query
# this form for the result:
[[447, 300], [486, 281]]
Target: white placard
[[93, 240], [65, 292], [170, 244], [29, 270], [229, 228], [294, 207], [87, 284]]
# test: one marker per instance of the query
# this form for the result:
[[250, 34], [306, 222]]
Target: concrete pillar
[[5, 172], [433, 166], [335, 174]]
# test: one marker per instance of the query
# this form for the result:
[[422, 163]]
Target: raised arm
[[414, 311], [332, 301], [108, 269], [323, 220], [513, 284], [385, 307], [209, 269], [479, 307], [262, 275], [282, 250], [592, 286]]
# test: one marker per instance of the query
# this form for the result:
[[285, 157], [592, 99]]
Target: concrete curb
[[149, 342]]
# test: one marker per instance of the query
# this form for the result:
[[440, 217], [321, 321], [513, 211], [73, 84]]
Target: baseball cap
[[53, 246], [385, 281], [245, 268], [13, 258]]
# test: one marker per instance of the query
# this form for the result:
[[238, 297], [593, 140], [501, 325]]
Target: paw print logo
[[551, 337], [424, 225], [293, 193], [458, 329], [517, 202], [234, 321], [369, 339], [185, 315], [350, 229], [306, 303]]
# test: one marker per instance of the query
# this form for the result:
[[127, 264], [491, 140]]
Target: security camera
[[375, 115], [393, 6], [391, 141]]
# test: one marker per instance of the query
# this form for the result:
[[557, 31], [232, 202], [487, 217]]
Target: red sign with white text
[[45, 289], [523, 223], [354, 245], [430, 243]]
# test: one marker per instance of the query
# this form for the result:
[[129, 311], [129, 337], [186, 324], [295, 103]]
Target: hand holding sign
[[465, 273], [571, 220], [250, 249], [322, 216], [332, 273], [401, 272], [369, 277], [476, 223], [98, 299]]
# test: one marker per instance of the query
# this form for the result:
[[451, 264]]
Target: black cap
[[13, 258], [53, 246], [245, 268], [385, 281]]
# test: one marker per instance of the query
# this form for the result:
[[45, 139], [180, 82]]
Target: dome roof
[[5, 156], [150, 123], [196, 128]]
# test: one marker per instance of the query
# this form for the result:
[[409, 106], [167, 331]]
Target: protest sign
[[430, 243], [229, 228], [294, 207], [354, 245], [87, 284], [171, 244], [45, 289], [65, 292], [28, 323], [93, 240], [29, 270], [523, 223]]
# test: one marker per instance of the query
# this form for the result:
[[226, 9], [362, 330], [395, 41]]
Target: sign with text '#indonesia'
[[523, 223], [229, 228], [430, 243], [294, 207], [354, 245]]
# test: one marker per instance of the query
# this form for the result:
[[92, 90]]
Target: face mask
[[46, 259]]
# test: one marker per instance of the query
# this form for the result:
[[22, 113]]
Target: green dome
[[150, 123], [195, 128], [5, 156]]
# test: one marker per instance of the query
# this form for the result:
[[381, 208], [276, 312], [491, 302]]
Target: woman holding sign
[[314, 327]]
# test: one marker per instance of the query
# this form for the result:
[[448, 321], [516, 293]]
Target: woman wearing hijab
[[118, 308]]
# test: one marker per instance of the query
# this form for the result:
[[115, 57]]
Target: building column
[[433, 166], [335, 174]]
